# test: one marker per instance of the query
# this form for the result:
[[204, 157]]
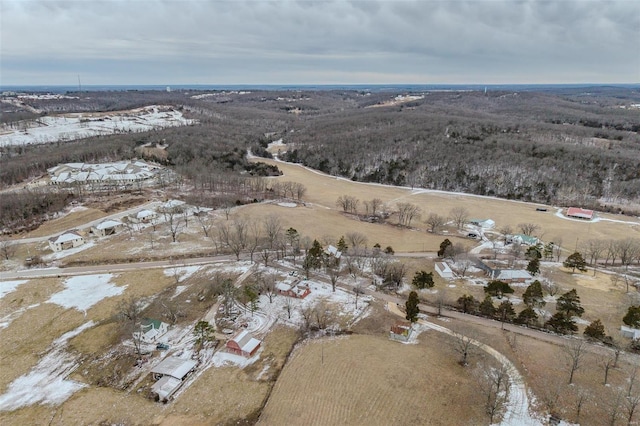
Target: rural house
[[296, 289], [107, 227], [151, 330], [173, 206], [69, 239], [243, 344], [578, 213], [144, 216], [444, 270], [170, 374], [511, 275], [523, 239], [400, 331]]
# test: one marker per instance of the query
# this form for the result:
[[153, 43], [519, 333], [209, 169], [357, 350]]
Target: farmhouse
[[107, 227], [523, 239], [629, 332], [444, 270], [243, 344], [578, 213], [151, 330], [69, 239], [400, 331], [333, 252], [296, 289], [170, 374]]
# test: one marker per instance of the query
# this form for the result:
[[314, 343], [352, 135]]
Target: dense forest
[[567, 146]]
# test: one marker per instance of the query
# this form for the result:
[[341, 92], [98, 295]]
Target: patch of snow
[[179, 290], [84, 291], [581, 321], [47, 382], [222, 359], [183, 272], [287, 204], [7, 287], [451, 286]]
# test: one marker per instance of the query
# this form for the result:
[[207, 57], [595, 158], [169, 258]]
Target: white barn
[[107, 227]]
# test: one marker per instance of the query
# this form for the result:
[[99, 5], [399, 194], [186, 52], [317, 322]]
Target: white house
[[107, 227], [629, 332], [69, 239], [151, 330], [144, 216], [483, 223], [444, 270]]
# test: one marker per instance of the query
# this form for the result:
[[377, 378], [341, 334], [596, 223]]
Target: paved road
[[118, 267], [150, 205]]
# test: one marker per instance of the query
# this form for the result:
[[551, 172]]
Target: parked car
[[162, 346]]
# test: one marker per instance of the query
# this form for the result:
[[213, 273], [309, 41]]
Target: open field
[[360, 380], [324, 190]]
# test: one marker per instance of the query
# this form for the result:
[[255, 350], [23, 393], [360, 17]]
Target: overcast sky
[[319, 42]]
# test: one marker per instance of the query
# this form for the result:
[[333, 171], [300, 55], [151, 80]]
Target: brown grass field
[[360, 380]]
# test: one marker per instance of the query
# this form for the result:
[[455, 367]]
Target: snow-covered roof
[[334, 252], [513, 274], [283, 286], [67, 236], [174, 367], [173, 204], [145, 213], [108, 224], [246, 342], [166, 386]]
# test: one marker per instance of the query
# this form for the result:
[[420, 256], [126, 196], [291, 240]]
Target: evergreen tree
[[547, 252], [527, 316], [575, 261], [632, 317], [505, 311], [486, 307], [560, 323], [569, 304], [468, 304], [389, 250], [533, 296], [423, 279], [595, 330], [412, 307], [533, 252], [498, 289], [443, 247], [534, 266], [202, 332], [315, 255], [342, 245]]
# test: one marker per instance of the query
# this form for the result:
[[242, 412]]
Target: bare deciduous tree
[[407, 212], [464, 345], [574, 352], [435, 222], [459, 216], [528, 228], [356, 240], [493, 383], [7, 248], [172, 218], [272, 228]]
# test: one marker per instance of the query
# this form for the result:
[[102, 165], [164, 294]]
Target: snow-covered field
[[76, 126], [84, 291], [9, 286], [47, 382]]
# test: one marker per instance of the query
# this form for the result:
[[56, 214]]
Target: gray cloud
[[296, 42]]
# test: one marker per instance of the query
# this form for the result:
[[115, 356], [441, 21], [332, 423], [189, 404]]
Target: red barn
[[243, 344], [579, 213]]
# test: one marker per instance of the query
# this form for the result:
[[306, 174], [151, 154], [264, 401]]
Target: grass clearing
[[363, 378]]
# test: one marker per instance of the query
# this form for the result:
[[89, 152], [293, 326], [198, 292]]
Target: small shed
[[400, 331], [578, 213], [107, 227], [333, 252], [170, 374], [243, 344], [69, 239], [444, 270], [629, 332]]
